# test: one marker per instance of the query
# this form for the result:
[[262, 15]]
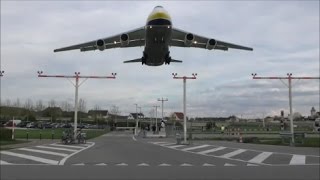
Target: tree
[[28, 104], [82, 105], [17, 103], [52, 103], [39, 106], [114, 111], [8, 102]]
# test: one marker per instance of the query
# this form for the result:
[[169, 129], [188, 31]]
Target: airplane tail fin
[[176, 61], [133, 61]]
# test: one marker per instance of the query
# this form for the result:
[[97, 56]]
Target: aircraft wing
[[178, 39], [135, 38]]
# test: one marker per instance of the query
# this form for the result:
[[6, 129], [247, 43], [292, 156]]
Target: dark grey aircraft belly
[[157, 44]]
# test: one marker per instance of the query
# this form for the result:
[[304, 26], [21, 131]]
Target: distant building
[[177, 116], [313, 112], [136, 116], [98, 114]]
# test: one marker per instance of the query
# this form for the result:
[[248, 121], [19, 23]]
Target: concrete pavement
[[118, 155]]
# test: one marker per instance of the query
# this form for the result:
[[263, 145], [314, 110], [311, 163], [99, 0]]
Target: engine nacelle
[[211, 43], [124, 39], [100, 44], [188, 39]]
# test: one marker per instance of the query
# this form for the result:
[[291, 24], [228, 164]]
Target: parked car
[[46, 126], [23, 124]]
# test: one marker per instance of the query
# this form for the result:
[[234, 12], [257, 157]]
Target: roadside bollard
[[52, 134], [40, 136], [27, 135]]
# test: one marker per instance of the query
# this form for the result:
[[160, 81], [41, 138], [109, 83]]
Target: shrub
[[5, 134]]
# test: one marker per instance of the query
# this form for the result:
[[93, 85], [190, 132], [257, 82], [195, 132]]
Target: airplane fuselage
[[158, 34]]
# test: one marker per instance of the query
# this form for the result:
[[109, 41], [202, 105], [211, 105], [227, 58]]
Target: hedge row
[[5, 134]]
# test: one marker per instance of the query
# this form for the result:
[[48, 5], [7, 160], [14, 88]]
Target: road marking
[[4, 163], [252, 164], [176, 146], [143, 164], [196, 147], [64, 159], [207, 164], [186, 164], [164, 164], [167, 144], [61, 145], [234, 153], [261, 157], [227, 164], [79, 164], [55, 148], [101, 164], [43, 152], [122, 164], [298, 160], [134, 138], [211, 150], [34, 158], [159, 142]]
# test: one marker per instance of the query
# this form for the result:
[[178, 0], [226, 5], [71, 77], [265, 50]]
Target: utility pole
[[136, 128], [184, 101], [162, 100], [140, 114], [289, 85], [77, 85], [156, 119]]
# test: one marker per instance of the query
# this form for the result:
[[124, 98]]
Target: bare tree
[[28, 104], [17, 103], [39, 106], [52, 103], [114, 111], [8, 102], [82, 105]]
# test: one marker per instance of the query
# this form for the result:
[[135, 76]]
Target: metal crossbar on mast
[[1, 73], [194, 75], [289, 77], [76, 85]]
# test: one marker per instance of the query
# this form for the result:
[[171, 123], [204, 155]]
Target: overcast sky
[[284, 35]]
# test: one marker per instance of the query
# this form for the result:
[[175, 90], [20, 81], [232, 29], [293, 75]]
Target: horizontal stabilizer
[[175, 61], [133, 61]]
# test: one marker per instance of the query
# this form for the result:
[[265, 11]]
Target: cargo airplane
[[156, 36]]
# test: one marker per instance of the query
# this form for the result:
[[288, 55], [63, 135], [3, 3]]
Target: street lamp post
[[289, 85], [184, 101], [136, 128], [156, 119], [162, 100], [77, 85]]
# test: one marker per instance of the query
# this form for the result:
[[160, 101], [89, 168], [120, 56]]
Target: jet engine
[[211, 43], [188, 39], [124, 39], [100, 44]]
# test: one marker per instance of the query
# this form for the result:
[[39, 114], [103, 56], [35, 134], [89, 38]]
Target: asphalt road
[[120, 156]]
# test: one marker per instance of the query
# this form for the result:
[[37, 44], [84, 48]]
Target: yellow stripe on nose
[[159, 15]]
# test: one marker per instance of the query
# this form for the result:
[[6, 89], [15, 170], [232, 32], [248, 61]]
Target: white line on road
[[4, 163], [186, 164], [167, 144], [55, 148], [196, 147], [34, 158], [261, 157], [298, 160], [211, 150], [64, 159], [43, 152], [134, 138], [143, 164], [68, 146], [122, 164], [234, 153], [159, 142], [164, 164], [101, 164], [207, 164], [176, 146], [79, 164], [227, 164], [252, 164]]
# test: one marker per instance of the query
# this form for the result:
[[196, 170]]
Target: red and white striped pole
[[184, 101], [77, 85], [289, 78]]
